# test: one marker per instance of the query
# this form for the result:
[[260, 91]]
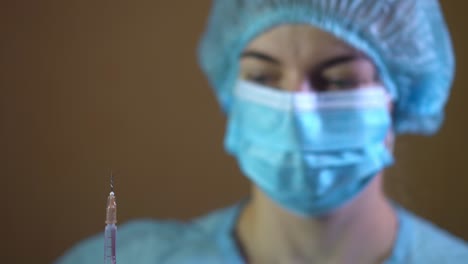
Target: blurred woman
[[315, 92]]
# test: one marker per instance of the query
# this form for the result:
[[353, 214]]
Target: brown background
[[89, 86]]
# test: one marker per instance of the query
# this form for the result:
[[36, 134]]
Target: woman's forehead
[[299, 44]]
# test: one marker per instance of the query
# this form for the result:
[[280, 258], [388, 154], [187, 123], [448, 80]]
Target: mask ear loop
[[390, 138], [390, 141]]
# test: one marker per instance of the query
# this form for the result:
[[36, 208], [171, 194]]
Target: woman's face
[[304, 58]]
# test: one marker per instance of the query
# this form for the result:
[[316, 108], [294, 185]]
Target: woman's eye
[[328, 84], [342, 84], [265, 79]]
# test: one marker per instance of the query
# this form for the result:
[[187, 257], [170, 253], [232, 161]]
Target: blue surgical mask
[[309, 152]]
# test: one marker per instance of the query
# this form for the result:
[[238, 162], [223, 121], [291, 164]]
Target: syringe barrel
[[110, 237]]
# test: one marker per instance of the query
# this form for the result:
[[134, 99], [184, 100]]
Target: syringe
[[110, 232]]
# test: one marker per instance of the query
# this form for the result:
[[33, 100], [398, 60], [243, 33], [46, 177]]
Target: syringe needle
[[112, 182]]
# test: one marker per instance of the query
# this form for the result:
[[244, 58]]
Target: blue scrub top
[[209, 239]]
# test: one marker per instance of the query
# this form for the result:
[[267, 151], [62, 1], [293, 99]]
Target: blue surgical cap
[[407, 40]]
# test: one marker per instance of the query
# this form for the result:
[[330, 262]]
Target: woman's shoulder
[[150, 240], [425, 241]]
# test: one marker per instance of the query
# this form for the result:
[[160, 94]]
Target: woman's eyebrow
[[320, 67], [260, 56], [338, 60]]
